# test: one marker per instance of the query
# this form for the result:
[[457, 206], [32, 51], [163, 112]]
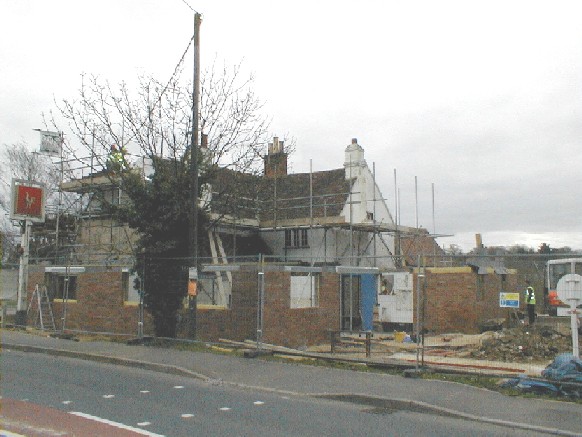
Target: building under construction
[[326, 232]]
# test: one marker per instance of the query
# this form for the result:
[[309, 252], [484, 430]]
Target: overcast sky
[[483, 99]]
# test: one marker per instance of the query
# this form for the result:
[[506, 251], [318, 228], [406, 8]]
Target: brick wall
[[457, 299], [297, 327], [98, 306], [282, 325], [238, 323]]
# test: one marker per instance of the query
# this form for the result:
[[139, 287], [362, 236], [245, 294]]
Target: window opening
[[304, 291], [61, 286]]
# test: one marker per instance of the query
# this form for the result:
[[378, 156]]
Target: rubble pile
[[523, 344]]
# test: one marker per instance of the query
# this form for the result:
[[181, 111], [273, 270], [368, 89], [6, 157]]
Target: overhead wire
[[175, 72], [159, 99], [191, 8], [177, 65]]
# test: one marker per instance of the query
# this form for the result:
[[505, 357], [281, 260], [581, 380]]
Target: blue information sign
[[508, 300]]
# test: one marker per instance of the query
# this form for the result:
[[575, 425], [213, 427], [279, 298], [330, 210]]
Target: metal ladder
[[42, 307]]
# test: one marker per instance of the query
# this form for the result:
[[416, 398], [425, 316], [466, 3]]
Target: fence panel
[[461, 312]]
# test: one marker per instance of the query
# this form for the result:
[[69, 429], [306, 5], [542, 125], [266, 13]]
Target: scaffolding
[[273, 212], [97, 236]]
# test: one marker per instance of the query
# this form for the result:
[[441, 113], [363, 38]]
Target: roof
[[289, 197], [93, 182], [304, 195], [234, 193]]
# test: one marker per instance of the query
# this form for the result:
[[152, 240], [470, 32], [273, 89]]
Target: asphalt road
[[177, 406]]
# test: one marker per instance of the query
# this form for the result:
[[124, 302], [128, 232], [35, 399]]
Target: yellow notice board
[[508, 300]]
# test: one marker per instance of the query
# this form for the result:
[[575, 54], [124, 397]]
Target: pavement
[[390, 391]]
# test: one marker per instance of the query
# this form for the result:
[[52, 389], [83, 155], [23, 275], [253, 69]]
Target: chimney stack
[[354, 160], [276, 159]]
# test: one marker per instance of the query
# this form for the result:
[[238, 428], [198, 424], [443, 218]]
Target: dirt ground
[[522, 344]]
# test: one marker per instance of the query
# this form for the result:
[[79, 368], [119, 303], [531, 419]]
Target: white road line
[[225, 409], [144, 391], [144, 423], [66, 402], [258, 402], [178, 386], [108, 396], [187, 415], [116, 424]]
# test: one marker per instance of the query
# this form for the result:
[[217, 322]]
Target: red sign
[[29, 201]]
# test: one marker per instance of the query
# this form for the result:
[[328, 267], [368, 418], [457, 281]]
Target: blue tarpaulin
[[566, 367], [562, 377]]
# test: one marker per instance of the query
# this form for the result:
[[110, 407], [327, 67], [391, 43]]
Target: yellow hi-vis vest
[[117, 159], [530, 296]]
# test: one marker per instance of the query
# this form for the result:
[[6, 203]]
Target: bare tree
[[20, 162], [154, 121]]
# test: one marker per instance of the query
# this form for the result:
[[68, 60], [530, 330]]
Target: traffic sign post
[[27, 206], [569, 290]]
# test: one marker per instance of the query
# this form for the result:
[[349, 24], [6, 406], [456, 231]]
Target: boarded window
[[304, 291]]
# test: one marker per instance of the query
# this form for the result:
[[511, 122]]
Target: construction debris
[[524, 344], [533, 346]]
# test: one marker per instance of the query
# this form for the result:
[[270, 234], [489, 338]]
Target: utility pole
[[193, 234], [23, 275]]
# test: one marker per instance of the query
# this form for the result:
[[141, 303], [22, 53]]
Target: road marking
[[178, 386], [187, 415], [144, 423], [108, 396], [115, 424], [258, 402], [225, 409], [144, 391], [66, 402]]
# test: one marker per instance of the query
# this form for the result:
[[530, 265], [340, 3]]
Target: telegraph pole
[[193, 228], [23, 275]]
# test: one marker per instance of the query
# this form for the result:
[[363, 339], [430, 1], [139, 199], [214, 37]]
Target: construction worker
[[116, 160], [530, 300]]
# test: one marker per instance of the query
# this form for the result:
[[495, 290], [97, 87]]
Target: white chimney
[[354, 161]]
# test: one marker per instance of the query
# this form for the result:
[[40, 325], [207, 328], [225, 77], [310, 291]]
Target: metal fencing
[[471, 312], [456, 313], [8, 292]]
